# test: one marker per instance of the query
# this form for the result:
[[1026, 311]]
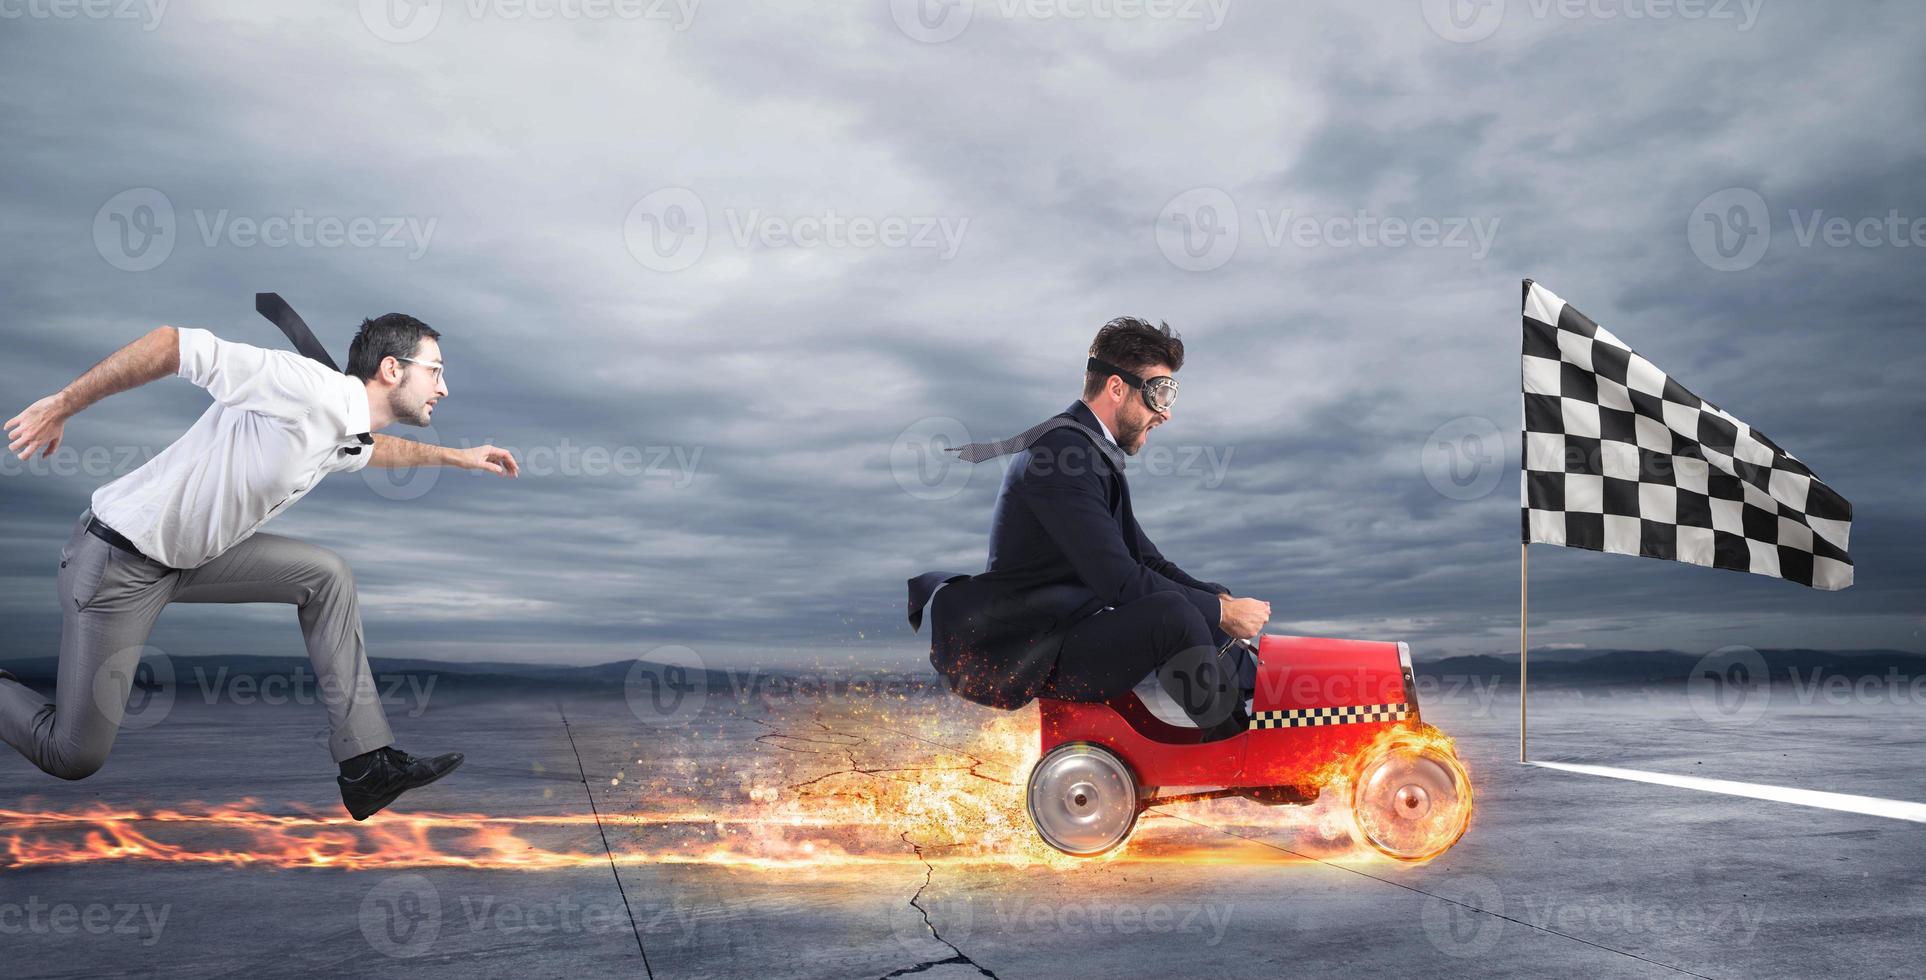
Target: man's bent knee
[[75, 766]]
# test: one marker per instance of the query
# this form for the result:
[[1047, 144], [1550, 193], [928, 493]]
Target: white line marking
[[1869, 805]]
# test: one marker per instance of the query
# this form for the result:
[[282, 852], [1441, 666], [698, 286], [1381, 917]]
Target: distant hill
[[1560, 668], [1613, 667]]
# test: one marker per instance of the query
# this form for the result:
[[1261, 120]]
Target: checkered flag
[[1620, 457]]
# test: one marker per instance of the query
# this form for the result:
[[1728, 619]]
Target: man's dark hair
[[393, 335], [1132, 344]]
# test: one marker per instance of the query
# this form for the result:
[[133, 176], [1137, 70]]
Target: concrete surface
[[811, 837]]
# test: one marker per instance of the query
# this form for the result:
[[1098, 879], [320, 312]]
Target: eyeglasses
[[427, 364], [1160, 392]]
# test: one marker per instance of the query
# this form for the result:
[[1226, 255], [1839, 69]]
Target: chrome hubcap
[[1082, 799], [1412, 803]]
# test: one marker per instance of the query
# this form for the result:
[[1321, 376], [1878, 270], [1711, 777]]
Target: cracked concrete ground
[[806, 837]]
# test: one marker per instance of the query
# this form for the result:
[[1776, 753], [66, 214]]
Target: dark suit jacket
[[1064, 544]]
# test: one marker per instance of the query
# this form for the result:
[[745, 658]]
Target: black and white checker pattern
[[1620, 457], [1355, 714]]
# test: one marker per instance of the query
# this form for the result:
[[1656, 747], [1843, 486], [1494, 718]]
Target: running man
[[185, 527]]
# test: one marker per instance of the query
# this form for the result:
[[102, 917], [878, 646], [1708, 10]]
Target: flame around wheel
[[1412, 798], [1082, 799]]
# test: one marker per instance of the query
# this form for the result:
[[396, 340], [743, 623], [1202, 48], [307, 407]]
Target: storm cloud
[[726, 275]]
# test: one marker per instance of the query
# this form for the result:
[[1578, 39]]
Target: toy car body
[[1322, 707]]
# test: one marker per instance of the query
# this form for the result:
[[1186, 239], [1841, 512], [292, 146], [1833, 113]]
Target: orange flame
[[817, 796]]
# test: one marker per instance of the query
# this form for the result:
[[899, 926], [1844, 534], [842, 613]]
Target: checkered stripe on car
[[1355, 714]]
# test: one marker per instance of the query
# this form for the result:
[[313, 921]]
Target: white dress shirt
[[1106, 430], [279, 423]]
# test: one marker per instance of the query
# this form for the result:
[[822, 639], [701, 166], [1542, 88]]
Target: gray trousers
[[109, 600]]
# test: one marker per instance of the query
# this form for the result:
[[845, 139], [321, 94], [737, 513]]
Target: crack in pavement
[[846, 743], [777, 738], [929, 872]]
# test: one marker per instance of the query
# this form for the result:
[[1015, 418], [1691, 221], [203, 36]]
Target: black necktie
[[977, 452], [278, 312]]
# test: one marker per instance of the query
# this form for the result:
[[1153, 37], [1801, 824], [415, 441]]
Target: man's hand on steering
[[1243, 618]]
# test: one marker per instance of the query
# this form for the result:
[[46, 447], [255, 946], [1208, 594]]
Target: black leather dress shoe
[[373, 780]]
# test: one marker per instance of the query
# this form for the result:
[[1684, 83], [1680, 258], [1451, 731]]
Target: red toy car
[[1322, 708]]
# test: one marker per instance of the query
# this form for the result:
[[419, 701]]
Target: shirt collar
[[357, 416], [1080, 408]]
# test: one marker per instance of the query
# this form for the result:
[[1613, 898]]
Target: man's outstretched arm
[[154, 356], [399, 454]]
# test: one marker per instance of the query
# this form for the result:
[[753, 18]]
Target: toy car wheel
[[1082, 799], [1412, 799]]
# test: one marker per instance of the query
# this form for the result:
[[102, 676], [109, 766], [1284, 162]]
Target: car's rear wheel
[[1083, 799], [1412, 798]]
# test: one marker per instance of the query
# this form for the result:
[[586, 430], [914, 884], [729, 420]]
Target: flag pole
[[1523, 557]]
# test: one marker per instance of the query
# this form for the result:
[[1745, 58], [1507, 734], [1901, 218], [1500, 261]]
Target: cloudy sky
[[721, 273]]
